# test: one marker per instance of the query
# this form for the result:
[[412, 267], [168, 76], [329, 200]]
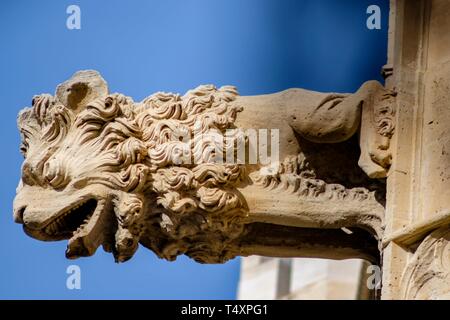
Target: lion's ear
[[81, 89]]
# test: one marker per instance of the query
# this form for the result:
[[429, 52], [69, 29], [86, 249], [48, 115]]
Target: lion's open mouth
[[83, 224], [72, 221]]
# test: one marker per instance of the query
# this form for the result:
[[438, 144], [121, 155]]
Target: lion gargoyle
[[101, 169]]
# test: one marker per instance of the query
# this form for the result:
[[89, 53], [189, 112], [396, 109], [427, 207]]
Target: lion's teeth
[[51, 229], [64, 221]]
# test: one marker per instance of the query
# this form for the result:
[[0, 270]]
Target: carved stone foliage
[[298, 175], [377, 129], [429, 268]]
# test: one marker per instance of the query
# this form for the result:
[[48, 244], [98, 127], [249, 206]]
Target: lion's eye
[[23, 149], [55, 174], [24, 144], [28, 175], [80, 184]]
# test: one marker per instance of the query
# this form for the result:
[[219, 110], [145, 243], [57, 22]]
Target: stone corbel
[[101, 169]]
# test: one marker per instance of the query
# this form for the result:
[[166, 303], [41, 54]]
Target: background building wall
[[302, 278]]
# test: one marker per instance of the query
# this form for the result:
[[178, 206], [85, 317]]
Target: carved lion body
[[101, 169]]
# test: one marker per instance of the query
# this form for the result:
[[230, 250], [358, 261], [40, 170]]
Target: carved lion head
[[100, 169]]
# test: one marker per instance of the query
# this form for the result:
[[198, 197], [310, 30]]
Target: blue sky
[[260, 46]]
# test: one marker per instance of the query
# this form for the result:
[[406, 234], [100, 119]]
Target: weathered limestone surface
[[101, 169], [416, 245]]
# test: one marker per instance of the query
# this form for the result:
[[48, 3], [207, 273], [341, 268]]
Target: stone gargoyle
[[100, 169]]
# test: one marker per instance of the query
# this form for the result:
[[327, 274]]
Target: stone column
[[416, 255]]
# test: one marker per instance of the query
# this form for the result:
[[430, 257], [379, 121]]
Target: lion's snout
[[18, 214]]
